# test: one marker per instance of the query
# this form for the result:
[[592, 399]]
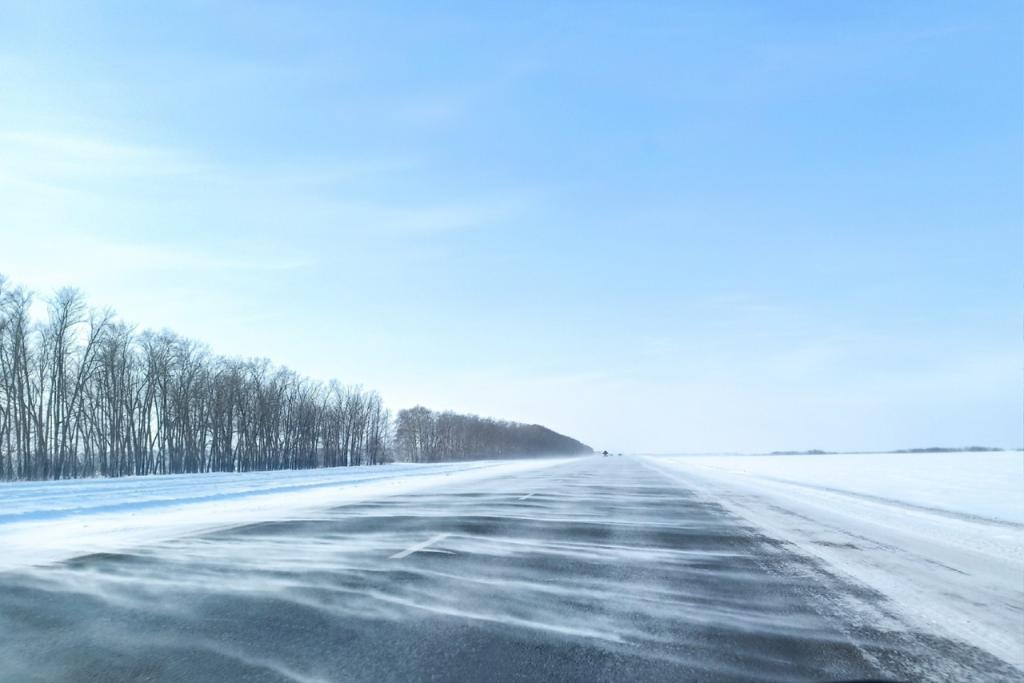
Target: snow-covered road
[[583, 569], [43, 522]]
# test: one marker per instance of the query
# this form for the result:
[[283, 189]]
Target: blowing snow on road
[[620, 568]]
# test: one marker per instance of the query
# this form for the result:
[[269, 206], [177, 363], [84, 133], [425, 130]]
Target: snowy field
[[44, 522], [986, 485], [939, 535]]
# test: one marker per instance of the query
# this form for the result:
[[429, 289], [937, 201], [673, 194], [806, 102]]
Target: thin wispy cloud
[[56, 157]]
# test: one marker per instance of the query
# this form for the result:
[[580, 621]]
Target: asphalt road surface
[[601, 569]]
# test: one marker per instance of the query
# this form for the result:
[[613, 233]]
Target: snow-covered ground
[[940, 536], [987, 485], [44, 522], [936, 540]]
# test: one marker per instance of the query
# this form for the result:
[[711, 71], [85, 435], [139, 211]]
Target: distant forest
[[83, 394], [422, 435], [931, 449]]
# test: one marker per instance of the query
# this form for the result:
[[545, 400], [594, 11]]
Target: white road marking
[[419, 546], [526, 496]]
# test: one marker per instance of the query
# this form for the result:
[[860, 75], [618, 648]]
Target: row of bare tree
[[82, 394], [423, 435]]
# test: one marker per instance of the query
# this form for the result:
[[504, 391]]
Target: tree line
[[422, 435], [83, 394]]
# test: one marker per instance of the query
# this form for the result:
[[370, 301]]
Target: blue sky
[[654, 226]]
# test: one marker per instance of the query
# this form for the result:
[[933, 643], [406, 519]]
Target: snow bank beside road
[[44, 522], [939, 536]]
